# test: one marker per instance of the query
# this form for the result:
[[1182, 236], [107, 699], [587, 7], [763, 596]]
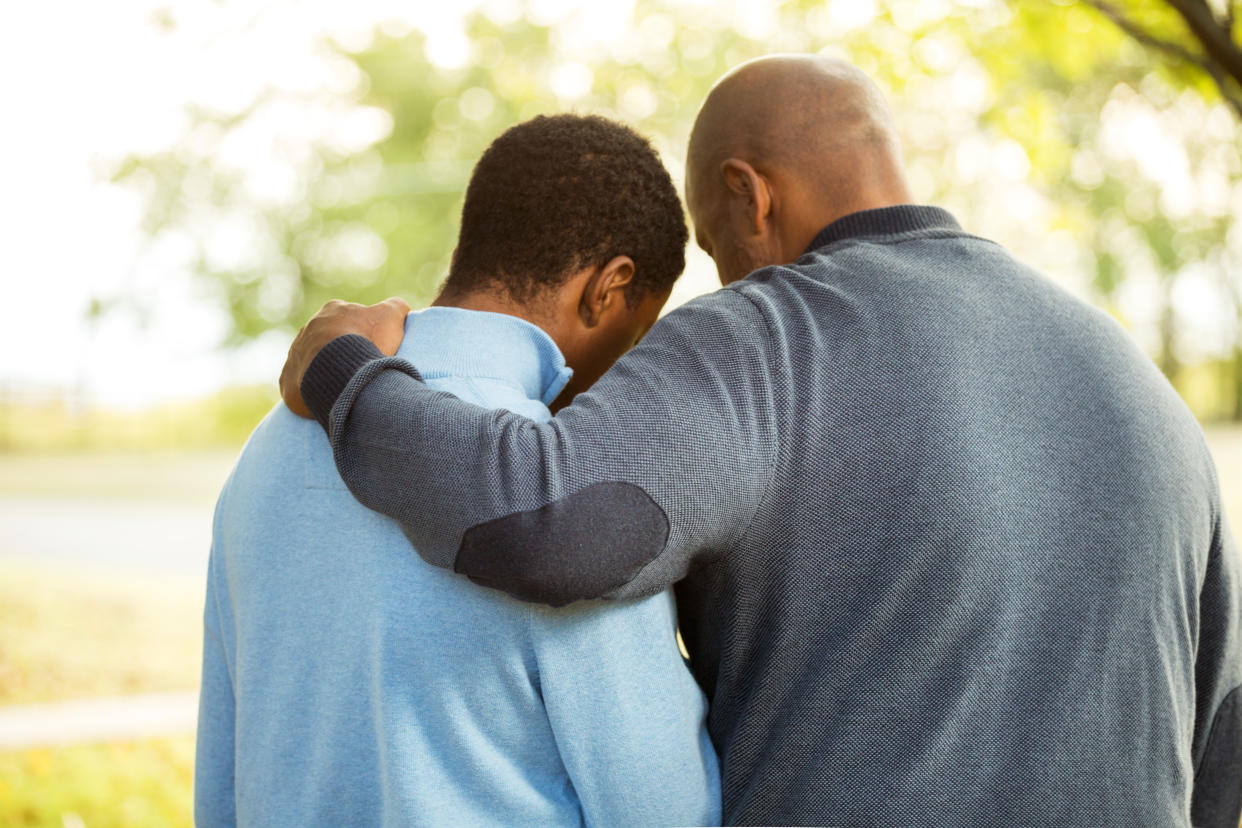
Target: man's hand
[[383, 324]]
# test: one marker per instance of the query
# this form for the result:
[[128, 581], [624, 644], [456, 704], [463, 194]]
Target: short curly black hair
[[559, 193]]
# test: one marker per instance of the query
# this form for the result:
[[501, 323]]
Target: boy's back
[[345, 680]]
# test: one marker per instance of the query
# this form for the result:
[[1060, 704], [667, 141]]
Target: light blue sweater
[[348, 682]]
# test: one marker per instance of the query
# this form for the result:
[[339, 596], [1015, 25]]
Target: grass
[[75, 633], [60, 422], [69, 634], [128, 785]]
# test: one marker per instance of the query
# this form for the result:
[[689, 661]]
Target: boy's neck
[[495, 302], [492, 302], [482, 301]]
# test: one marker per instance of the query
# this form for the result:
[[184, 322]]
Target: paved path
[[146, 535], [104, 719]]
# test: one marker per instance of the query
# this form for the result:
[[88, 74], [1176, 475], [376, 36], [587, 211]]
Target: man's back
[[990, 520], [952, 548], [350, 682]]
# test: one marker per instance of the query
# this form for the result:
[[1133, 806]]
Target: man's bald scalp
[[818, 117]]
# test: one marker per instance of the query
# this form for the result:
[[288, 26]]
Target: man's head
[[783, 146], [573, 223]]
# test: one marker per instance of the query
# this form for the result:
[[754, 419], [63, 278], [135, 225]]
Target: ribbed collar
[[443, 342], [885, 221]]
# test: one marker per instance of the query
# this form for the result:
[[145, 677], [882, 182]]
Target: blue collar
[[452, 342]]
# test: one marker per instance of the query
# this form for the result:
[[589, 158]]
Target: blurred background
[[185, 182]]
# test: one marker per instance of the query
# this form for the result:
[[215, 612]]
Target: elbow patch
[[581, 546], [1217, 798]]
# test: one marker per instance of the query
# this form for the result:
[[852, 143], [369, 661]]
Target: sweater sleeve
[[628, 718], [664, 460], [1217, 752]]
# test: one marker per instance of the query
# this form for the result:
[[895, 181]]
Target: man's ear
[[748, 191], [604, 291]]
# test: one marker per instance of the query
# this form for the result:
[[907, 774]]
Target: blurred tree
[[378, 220], [1210, 29], [1110, 165], [353, 221], [1137, 157], [1207, 41]]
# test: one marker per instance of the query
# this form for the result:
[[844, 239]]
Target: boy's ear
[[604, 291]]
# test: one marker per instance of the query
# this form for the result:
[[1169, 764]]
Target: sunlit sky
[[90, 82]]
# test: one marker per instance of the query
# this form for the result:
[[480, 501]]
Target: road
[[166, 537], [106, 719]]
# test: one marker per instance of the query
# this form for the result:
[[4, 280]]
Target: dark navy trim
[[1217, 799], [885, 221], [581, 546], [331, 370]]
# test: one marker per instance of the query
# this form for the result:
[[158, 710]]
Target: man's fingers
[[398, 305], [333, 309], [389, 324], [383, 323], [290, 379]]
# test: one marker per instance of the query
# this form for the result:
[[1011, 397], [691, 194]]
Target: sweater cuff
[[331, 370]]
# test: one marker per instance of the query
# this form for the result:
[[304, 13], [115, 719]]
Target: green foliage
[[1044, 82], [382, 220]]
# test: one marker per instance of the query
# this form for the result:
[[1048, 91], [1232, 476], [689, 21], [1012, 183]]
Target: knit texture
[[949, 548], [338, 361], [348, 683]]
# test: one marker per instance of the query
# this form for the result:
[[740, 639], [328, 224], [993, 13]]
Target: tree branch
[[1143, 36], [1222, 83], [1214, 34], [1219, 72]]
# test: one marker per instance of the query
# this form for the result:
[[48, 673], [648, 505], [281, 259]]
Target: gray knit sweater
[[948, 548]]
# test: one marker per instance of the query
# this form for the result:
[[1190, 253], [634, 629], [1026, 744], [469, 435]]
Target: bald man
[[948, 548]]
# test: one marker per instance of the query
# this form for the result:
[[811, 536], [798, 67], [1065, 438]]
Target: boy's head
[[572, 222]]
